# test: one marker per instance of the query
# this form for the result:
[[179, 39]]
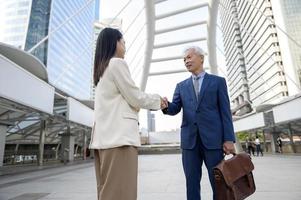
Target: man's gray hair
[[196, 49]]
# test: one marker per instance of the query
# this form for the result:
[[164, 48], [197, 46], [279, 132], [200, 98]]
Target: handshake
[[164, 103]]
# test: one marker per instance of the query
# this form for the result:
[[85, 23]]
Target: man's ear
[[202, 57]]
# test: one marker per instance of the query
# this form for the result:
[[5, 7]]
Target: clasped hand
[[164, 103]]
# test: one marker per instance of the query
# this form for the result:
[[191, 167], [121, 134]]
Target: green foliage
[[243, 136]]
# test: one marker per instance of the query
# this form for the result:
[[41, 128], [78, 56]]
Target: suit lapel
[[205, 83], [191, 91]]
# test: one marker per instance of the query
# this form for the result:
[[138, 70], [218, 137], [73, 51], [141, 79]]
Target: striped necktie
[[196, 86]]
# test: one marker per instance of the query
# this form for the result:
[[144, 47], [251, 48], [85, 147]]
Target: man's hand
[[164, 103], [228, 147]]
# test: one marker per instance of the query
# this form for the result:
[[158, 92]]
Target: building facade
[[68, 51], [237, 76], [38, 26], [14, 17], [288, 21], [257, 71], [70, 47]]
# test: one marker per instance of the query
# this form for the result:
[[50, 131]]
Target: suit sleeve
[[225, 112], [132, 94], [175, 106]]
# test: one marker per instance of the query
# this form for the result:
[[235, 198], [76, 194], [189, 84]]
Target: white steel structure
[[157, 31], [165, 44], [34, 112]]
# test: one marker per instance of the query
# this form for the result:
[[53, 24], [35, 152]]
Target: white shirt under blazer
[[117, 102]]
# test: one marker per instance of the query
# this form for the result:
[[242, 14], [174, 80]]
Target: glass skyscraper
[[70, 48], [235, 61], [259, 72], [14, 17], [38, 28], [68, 51]]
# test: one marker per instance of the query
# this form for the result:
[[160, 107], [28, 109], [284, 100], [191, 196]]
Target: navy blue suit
[[206, 125]]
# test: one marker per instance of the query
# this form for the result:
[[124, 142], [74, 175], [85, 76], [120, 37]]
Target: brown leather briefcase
[[233, 178]]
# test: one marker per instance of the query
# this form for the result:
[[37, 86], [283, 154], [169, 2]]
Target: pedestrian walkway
[[277, 177]]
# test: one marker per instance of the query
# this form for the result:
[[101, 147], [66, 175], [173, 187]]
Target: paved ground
[[160, 178]]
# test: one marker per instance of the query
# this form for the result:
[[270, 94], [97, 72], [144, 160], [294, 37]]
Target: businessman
[[207, 129]]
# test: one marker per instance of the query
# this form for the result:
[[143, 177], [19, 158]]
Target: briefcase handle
[[229, 156]]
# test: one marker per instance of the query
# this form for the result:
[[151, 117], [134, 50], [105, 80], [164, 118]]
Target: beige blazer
[[117, 102]]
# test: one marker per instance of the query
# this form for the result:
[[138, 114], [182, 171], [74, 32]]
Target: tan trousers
[[116, 173]]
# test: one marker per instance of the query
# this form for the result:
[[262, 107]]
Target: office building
[[258, 73], [67, 53]]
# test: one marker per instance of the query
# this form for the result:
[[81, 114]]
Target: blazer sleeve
[[175, 106], [132, 94], [225, 112]]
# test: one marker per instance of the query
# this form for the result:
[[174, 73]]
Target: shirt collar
[[200, 75]]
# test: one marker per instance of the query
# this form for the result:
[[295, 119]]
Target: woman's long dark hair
[[105, 50]]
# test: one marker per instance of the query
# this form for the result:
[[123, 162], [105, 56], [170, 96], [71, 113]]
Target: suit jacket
[[117, 102], [210, 116]]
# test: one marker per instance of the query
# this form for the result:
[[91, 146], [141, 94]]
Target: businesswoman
[[115, 136]]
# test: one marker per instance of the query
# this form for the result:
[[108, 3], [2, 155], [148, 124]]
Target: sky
[[135, 37]]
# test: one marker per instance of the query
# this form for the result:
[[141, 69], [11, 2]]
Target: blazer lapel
[[191, 91], [205, 83]]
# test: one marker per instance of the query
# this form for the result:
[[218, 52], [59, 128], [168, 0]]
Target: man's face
[[193, 61]]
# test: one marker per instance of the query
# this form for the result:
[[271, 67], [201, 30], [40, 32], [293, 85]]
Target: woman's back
[[117, 102]]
